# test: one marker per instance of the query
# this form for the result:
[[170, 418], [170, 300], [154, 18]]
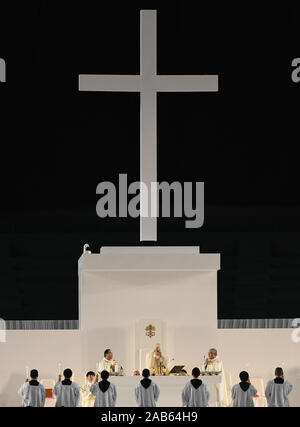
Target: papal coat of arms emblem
[[150, 331]]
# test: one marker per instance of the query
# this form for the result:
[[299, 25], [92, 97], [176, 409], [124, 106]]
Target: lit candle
[[27, 371], [59, 369]]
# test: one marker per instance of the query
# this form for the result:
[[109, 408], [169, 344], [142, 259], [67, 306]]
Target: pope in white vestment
[[277, 390], [104, 391], [157, 362], [242, 394], [146, 391], [33, 394]]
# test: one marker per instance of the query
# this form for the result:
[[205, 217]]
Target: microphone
[[205, 365]]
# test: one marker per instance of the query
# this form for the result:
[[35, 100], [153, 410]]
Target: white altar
[[170, 389]]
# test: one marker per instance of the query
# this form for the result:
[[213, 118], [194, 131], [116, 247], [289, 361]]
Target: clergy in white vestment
[[158, 362], [277, 390], [146, 391], [32, 392], [195, 393], [87, 399], [109, 364], [242, 394], [214, 363], [104, 391], [66, 391]]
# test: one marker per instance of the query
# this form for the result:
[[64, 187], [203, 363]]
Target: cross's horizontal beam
[[161, 83], [109, 83], [184, 83]]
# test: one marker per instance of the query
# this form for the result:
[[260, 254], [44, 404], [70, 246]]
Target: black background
[[58, 143]]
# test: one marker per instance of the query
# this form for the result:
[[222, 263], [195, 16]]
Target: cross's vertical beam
[[148, 155]]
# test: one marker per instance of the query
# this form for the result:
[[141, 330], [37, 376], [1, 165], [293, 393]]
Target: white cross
[[148, 83]]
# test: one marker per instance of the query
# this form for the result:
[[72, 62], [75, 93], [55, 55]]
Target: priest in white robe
[[146, 391], [67, 392], [214, 363], [158, 361], [109, 364], [104, 391], [195, 393], [32, 392], [242, 394], [277, 390], [87, 399]]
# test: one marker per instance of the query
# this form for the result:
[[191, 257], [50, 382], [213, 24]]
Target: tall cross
[[148, 83]]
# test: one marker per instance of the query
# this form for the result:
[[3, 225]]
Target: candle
[[27, 371], [59, 369]]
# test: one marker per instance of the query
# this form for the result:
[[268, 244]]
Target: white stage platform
[[121, 287]]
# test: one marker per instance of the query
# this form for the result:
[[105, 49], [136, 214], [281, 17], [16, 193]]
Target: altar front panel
[[170, 389]]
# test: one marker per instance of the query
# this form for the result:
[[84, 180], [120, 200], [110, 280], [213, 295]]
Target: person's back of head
[[278, 372], [104, 375], [244, 376], [146, 373], [196, 372], [68, 373], [34, 374]]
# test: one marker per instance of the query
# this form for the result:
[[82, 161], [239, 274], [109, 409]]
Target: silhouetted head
[[34, 374], [196, 372], [244, 376], [278, 372], [104, 375], [68, 373], [146, 373]]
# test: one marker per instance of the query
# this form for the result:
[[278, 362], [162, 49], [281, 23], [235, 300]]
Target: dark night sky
[[57, 144]]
